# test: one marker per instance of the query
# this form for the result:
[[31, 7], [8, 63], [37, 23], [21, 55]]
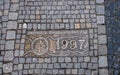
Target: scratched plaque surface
[[56, 43]]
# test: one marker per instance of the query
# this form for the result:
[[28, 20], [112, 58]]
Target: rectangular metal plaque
[[56, 43]]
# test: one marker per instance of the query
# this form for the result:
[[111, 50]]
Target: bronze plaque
[[56, 43]]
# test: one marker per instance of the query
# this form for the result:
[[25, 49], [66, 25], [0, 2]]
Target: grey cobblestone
[[8, 56], [12, 25], [10, 35], [7, 68], [9, 44], [13, 15]]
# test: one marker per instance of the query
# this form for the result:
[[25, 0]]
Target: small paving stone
[[55, 71], [12, 25], [81, 71], [87, 59], [74, 71], [13, 16], [9, 44], [101, 29], [21, 60], [77, 65], [10, 35], [20, 66], [8, 67], [61, 59], [8, 56], [102, 39], [103, 61], [68, 71], [14, 7], [84, 65], [102, 50], [1, 71], [100, 19], [100, 1], [103, 72], [100, 9], [14, 1], [67, 59]]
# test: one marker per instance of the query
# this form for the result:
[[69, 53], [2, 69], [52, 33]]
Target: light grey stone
[[1, 71], [14, 1], [32, 65], [70, 65], [76, 65], [26, 66], [81, 71], [80, 59], [38, 65], [94, 72], [9, 45], [55, 71], [20, 66], [87, 59], [14, 7], [4, 18], [100, 19], [10, 35], [74, 59], [50, 66], [61, 59], [74, 71], [12, 25], [54, 59], [8, 56], [101, 29], [68, 71], [103, 72], [15, 73], [100, 1], [62, 72], [103, 61], [102, 50], [13, 15], [56, 65], [21, 53], [67, 59], [45, 65], [100, 9], [7, 68], [63, 65], [102, 39], [83, 65], [1, 64], [47, 60], [21, 60], [94, 59]]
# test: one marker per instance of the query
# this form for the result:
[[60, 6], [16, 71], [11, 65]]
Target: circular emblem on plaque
[[40, 46]]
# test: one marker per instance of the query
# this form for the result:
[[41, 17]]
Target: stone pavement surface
[[55, 37]]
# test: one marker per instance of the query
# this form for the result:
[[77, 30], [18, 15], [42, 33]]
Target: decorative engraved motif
[[56, 43], [40, 46]]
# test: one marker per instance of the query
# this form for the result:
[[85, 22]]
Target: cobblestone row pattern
[[20, 17], [113, 32]]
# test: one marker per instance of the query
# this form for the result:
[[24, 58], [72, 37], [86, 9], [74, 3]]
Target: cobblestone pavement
[[113, 31], [58, 37]]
